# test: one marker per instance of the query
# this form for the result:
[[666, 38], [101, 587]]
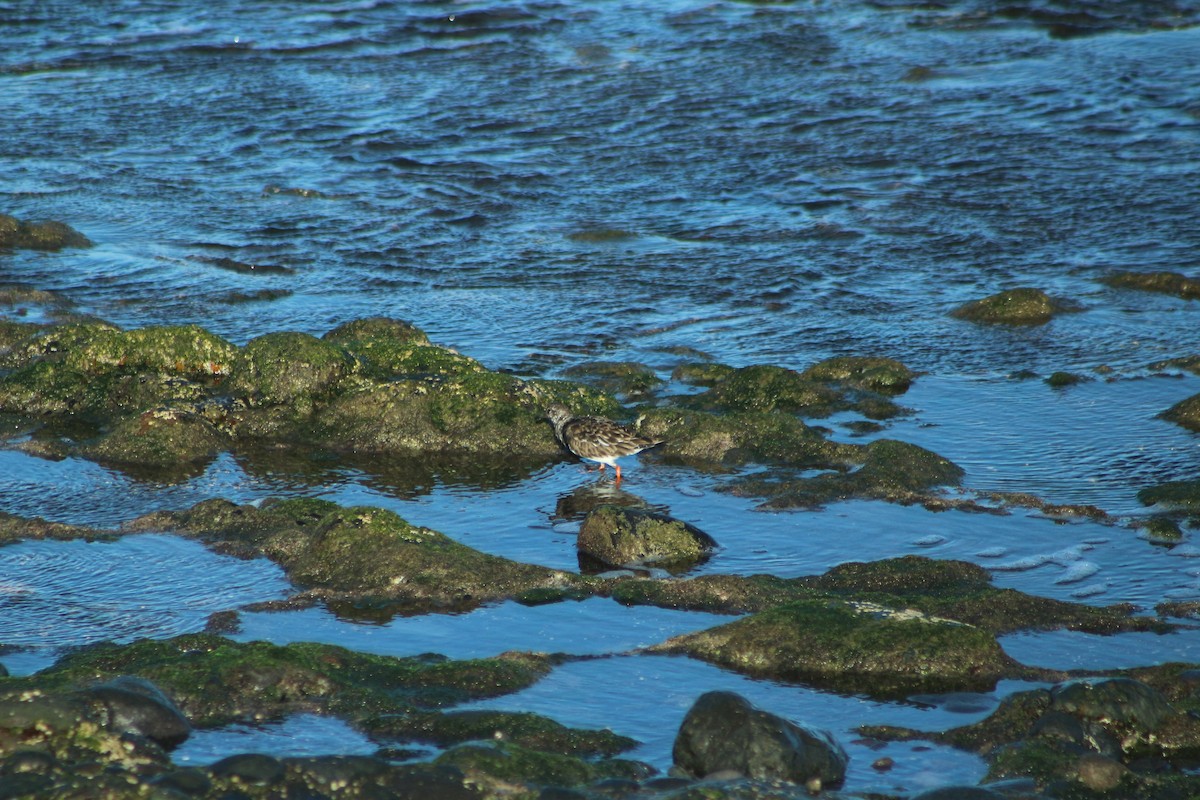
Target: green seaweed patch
[[521, 728], [1023, 306], [696, 373], [873, 373], [95, 368], [627, 378], [854, 646], [216, 681], [288, 368], [1172, 283], [698, 437], [361, 555], [768, 388]]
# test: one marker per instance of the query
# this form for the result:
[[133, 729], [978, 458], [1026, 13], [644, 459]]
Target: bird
[[596, 438]]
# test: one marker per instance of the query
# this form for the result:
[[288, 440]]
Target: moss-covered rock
[[627, 378], [498, 765], [956, 590], [615, 536], [360, 555], [1061, 380], [890, 470], [47, 235], [700, 373], [1181, 495], [699, 438], [883, 375], [1024, 306], [854, 646], [527, 730], [768, 388], [95, 369], [165, 437], [288, 368], [1161, 282]]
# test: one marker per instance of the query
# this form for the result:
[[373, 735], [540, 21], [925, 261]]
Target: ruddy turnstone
[[596, 438]]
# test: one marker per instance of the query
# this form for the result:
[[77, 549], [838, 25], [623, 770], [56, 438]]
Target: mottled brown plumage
[[596, 438]]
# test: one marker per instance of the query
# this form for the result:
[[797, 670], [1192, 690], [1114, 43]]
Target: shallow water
[[544, 184]]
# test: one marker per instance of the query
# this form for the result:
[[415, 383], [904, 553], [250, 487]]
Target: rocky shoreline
[[165, 401]]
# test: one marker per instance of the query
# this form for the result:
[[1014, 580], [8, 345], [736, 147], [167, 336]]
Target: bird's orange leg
[[617, 467]]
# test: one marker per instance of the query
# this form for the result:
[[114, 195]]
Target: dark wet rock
[[854, 646], [1181, 495], [614, 536], [626, 378], [890, 470], [134, 705], [960, 793], [1061, 380], [48, 235], [1024, 306], [361, 335], [1185, 413], [360, 555], [724, 733], [883, 375], [164, 437], [258, 296], [495, 764], [14, 528], [252, 769], [223, 622], [527, 730], [188, 781], [718, 594], [1115, 701], [1162, 282]]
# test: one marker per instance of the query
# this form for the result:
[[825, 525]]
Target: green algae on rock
[[699, 437], [162, 438], [874, 373], [854, 646], [359, 555], [1162, 282], [615, 536], [890, 470], [1177, 495], [954, 590], [1024, 306], [498, 764], [288, 368], [627, 378]]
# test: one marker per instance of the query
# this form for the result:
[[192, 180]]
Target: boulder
[[617, 536], [724, 733]]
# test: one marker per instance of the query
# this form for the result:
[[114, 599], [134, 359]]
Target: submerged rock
[[1185, 413], [618, 536], [723, 733], [627, 378], [1024, 306], [48, 235], [1162, 282]]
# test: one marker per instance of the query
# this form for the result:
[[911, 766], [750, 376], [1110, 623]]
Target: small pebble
[[883, 764]]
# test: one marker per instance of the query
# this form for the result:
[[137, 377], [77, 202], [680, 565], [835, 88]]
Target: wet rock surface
[[723, 733], [612, 536], [1023, 306]]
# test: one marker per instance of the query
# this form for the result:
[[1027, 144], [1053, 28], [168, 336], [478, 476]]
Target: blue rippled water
[[540, 184]]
